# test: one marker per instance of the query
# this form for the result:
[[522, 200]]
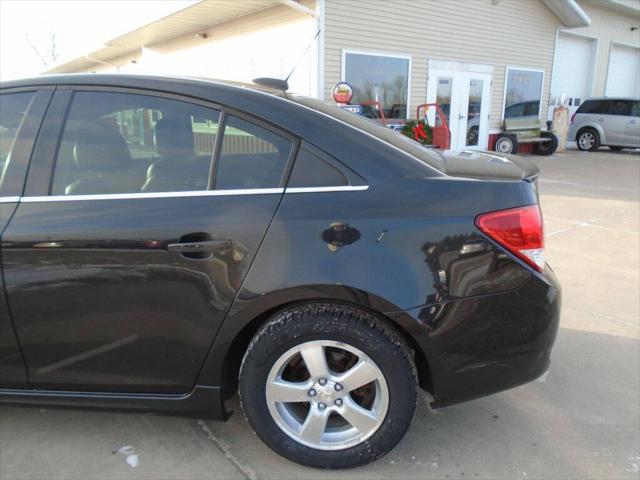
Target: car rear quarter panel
[[391, 248], [585, 120]]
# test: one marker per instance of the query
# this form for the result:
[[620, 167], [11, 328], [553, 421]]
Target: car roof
[[309, 119], [134, 80], [611, 98]]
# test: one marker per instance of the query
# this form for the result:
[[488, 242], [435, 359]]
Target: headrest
[[174, 137], [100, 146]]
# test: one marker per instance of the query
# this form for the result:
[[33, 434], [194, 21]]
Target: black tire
[[613, 148], [547, 148], [340, 323], [506, 143], [588, 140]]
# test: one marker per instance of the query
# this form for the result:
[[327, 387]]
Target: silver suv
[[614, 122]]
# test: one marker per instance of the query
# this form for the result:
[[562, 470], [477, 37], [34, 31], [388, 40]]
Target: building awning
[[191, 20], [569, 12]]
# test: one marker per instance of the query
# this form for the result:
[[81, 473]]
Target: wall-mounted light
[[202, 35]]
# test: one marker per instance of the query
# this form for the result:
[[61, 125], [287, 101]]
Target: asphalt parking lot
[[581, 421]]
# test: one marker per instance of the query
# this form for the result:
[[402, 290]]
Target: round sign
[[342, 92]]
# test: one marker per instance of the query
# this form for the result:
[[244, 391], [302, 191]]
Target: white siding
[[263, 44], [519, 33]]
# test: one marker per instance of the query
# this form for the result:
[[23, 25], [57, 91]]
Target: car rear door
[[615, 126], [123, 257], [632, 131], [21, 112]]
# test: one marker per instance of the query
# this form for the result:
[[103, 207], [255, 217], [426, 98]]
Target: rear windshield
[[375, 128]]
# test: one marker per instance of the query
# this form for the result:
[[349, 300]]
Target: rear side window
[[310, 170], [13, 108], [594, 106], [635, 108], [620, 107], [129, 143], [251, 156]]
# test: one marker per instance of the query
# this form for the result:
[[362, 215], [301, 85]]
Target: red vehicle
[[441, 136]]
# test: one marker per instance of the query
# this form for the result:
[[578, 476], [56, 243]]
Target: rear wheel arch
[[229, 361]]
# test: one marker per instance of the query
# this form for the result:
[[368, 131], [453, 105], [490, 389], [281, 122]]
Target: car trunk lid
[[489, 166]]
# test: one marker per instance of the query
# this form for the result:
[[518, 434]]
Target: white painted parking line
[[587, 185]]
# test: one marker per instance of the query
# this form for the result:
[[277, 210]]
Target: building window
[[523, 93], [378, 78]]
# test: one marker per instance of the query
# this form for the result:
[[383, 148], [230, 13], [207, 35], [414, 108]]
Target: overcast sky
[[79, 26]]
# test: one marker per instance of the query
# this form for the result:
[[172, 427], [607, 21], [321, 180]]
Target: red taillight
[[573, 116], [519, 230]]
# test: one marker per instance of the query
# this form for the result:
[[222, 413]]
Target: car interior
[[141, 144]]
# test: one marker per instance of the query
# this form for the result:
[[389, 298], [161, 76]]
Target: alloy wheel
[[587, 140], [327, 395]]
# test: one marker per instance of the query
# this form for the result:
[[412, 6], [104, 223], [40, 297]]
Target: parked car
[[614, 122], [167, 241]]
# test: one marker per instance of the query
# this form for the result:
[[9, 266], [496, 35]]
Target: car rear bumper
[[482, 345]]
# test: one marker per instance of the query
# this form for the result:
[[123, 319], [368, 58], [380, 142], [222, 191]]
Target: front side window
[[13, 107], [251, 156], [130, 143], [377, 78], [523, 94]]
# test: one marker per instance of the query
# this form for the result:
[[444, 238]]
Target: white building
[[475, 58]]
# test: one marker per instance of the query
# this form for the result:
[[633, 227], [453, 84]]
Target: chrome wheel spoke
[[282, 391], [315, 360], [362, 419], [313, 427], [362, 373]]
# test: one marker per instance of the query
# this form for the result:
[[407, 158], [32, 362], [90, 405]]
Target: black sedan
[[167, 242]]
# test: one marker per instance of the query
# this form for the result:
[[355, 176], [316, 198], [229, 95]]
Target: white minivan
[[614, 122]]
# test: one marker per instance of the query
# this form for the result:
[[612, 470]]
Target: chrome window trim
[[126, 196], [343, 188], [191, 193]]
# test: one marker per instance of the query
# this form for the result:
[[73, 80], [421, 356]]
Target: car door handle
[[633, 121], [196, 247]]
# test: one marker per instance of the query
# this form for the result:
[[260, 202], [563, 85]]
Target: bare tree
[[48, 53]]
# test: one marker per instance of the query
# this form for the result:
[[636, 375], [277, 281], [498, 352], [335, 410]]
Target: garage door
[[623, 76], [572, 66]]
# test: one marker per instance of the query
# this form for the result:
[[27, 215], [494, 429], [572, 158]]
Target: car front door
[[21, 112], [120, 265]]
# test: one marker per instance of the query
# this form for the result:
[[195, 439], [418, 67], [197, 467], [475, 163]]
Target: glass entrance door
[[464, 100], [474, 118]]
